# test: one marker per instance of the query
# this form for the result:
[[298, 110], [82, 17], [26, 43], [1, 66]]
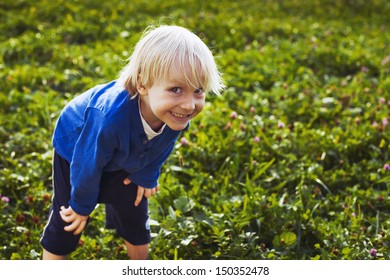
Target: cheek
[[158, 104], [200, 105]]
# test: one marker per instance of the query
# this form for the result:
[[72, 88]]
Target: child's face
[[172, 102]]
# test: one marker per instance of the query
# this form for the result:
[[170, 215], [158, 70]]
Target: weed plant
[[291, 162]]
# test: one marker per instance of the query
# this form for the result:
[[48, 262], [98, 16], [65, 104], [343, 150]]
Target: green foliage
[[291, 162]]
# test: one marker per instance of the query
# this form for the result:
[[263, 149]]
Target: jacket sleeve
[[94, 148], [148, 176]]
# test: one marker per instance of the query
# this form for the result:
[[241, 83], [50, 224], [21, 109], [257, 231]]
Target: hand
[[141, 191], [78, 222]]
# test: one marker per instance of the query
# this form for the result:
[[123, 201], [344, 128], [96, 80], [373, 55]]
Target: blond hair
[[168, 51]]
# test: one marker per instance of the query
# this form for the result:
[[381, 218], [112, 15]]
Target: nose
[[188, 104]]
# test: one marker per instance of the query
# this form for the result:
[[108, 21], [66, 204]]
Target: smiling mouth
[[177, 115]]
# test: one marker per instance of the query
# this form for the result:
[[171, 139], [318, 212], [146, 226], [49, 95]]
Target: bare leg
[[137, 252], [49, 256]]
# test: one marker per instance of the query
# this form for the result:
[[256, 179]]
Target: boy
[[111, 141]]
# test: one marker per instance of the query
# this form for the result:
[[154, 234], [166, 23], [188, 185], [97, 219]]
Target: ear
[[142, 90]]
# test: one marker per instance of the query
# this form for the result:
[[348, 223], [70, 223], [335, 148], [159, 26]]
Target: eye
[[176, 90], [199, 91]]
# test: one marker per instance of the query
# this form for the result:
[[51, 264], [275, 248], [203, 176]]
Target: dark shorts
[[130, 222]]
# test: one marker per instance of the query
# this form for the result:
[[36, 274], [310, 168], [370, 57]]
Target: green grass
[[291, 162]]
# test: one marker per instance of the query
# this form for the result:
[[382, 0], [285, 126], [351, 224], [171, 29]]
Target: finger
[[66, 211], [126, 181], [73, 226], [148, 193], [66, 218], [140, 194], [154, 191], [80, 228]]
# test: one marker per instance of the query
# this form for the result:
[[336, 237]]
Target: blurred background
[[291, 162]]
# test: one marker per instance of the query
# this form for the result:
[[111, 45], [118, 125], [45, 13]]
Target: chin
[[177, 127]]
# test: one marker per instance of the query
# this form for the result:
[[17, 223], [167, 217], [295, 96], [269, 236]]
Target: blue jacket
[[101, 130]]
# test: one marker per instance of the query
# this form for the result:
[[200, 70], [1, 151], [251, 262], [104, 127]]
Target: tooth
[[179, 115]]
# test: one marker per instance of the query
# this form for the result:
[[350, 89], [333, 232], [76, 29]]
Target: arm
[[147, 178], [94, 148]]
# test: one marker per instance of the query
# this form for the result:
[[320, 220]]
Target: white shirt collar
[[150, 133]]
